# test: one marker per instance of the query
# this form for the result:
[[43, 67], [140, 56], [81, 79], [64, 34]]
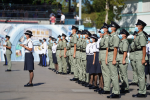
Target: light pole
[[80, 11]]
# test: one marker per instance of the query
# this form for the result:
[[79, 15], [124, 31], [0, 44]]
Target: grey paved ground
[[47, 86]]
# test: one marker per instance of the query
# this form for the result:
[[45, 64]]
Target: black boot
[[88, 85], [114, 96], [96, 90], [139, 95], [124, 91], [148, 88], [93, 87], [74, 79], [104, 92]]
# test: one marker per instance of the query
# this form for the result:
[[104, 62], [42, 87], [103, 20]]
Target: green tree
[[87, 8], [28, 1], [106, 12]]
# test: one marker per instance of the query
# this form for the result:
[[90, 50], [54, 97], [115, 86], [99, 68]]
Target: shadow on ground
[[38, 84]]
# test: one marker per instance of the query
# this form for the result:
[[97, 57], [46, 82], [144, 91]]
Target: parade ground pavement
[[49, 86]]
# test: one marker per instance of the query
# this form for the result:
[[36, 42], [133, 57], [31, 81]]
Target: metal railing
[[30, 14], [45, 21]]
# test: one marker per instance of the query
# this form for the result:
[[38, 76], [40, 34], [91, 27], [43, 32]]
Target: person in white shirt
[[54, 48], [62, 20], [4, 51], [44, 52], [77, 19], [96, 69], [90, 53], [29, 59]]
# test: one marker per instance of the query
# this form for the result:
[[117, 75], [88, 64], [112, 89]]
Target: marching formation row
[[96, 60]]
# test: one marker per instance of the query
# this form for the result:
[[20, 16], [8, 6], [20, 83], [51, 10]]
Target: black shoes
[[82, 82], [93, 87], [124, 91], [78, 81], [85, 84], [139, 95], [72, 73], [64, 73], [54, 70], [114, 96], [28, 85], [148, 88], [4, 65], [98, 89], [104, 92], [8, 70], [133, 84], [49, 68], [74, 79], [88, 85], [57, 72]]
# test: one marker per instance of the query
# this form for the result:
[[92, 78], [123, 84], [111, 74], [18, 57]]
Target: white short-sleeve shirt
[[45, 47], [94, 47], [29, 44], [40, 51], [54, 47], [62, 17], [91, 49], [4, 49], [87, 49]]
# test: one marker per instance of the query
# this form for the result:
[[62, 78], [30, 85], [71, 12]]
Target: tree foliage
[[29, 1], [99, 6]]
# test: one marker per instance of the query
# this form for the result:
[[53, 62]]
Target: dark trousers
[[77, 22], [40, 55], [62, 22], [44, 60], [5, 59]]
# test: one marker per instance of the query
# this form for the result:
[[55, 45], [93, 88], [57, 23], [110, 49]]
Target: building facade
[[135, 9]]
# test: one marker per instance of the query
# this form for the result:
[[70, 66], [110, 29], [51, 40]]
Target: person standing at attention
[[29, 59], [8, 53]]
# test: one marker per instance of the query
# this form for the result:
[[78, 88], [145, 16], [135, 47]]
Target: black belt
[[58, 49], [83, 51], [102, 49], [29, 52], [72, 46], [132, 51], [138, 50], [110, 50], [77, 49]]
